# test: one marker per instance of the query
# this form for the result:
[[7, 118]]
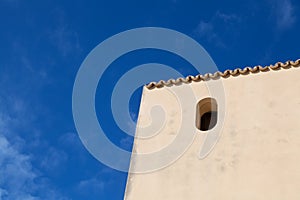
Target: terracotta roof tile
[[225, 74]]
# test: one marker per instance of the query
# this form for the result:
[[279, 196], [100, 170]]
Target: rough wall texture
[[257, 156]]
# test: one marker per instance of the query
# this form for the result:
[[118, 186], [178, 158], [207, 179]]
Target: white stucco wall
[[257, 156]]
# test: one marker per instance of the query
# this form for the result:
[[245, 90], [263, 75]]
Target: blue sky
[[43, 44]]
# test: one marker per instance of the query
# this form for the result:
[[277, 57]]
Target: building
[[241, 145]]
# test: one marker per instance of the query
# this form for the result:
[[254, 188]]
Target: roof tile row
[[224, 74]]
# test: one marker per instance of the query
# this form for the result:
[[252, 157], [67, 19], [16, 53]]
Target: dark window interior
[[208, 120], [207, 114]]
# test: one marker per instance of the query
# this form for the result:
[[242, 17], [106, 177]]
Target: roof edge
[[227, 73]]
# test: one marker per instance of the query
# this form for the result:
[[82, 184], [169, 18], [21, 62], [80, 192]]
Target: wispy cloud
[[70, 140], [228, 18], [283, 18], [63, 37], [3, 193], [96, 184], [126, 143], [282, 13], [19, 178], [208, 29], [93, 185], [65, 40], [54, 160], [285, 14]]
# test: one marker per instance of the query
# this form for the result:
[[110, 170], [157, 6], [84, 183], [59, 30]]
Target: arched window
[[207, 114]]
